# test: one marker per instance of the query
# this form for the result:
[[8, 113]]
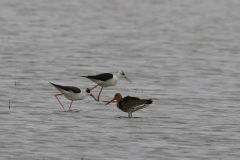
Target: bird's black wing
[[67, 88], [143, 101], [101, 77]]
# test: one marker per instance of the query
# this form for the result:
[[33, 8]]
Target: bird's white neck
[[85, 93]]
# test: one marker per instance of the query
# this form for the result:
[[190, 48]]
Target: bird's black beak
[[127, 79]]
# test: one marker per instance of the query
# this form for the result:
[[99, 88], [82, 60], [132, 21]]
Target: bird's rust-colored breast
[[121, 106]]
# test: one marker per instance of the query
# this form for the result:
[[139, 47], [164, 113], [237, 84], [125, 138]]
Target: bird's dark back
[[101, 77], [68, 88], [129, 102]]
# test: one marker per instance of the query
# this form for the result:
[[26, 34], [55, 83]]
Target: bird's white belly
[[107, 83], [73, 96]]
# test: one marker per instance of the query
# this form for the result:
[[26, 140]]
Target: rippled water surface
[[184, 55]]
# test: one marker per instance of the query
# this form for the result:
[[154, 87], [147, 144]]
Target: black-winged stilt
[[106, 80], [71, 93]]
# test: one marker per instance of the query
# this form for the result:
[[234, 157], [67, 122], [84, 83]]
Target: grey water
[[184, 55]]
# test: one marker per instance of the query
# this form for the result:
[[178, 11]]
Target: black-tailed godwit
[[130, 104]]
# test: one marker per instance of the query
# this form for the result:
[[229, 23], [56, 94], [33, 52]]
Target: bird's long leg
[[94, 87], [94, 97], [70, 104], [58, 99], [97, 99], [99, 94], [92, 94], [129, 114]]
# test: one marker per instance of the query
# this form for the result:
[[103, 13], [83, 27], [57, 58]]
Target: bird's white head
[[122, 74]]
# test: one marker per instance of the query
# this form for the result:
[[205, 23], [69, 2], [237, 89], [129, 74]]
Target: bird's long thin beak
[[109, 101], [127, 79]]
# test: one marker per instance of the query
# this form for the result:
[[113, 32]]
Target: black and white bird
[[106, 80], [71, 93]]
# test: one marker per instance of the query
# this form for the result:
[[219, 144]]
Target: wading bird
[[130, 104], [71, 93], [106, 80]]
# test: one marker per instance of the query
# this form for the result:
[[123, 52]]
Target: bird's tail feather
[[149, 101], [52, 83]]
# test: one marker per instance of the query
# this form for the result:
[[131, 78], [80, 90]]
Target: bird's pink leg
[[99, 94], [70, 104], [92, 94], [58, 99], [94, 87], [94, 97]]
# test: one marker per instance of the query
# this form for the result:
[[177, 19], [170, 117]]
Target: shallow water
[[183, 55]]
